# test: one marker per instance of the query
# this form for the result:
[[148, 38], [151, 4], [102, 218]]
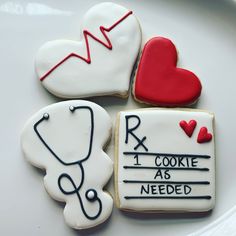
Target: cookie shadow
[[98, 229], [165, 216], [109, 101]]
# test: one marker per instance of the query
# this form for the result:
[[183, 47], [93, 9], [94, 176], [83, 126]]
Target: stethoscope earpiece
[[72, 108], [46, 116]]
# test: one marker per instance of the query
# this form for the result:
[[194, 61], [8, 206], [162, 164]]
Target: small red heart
[[159, 81], [204, 136], [188, 127]]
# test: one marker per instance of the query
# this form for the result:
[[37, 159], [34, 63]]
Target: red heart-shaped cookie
[[204, 136], [188, 127], [159, 81]]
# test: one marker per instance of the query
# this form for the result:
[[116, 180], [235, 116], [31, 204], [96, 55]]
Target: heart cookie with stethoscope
[[67, 139]]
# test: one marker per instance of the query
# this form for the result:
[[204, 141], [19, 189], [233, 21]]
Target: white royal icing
[[146, 143], [109, 71], [67, 140]]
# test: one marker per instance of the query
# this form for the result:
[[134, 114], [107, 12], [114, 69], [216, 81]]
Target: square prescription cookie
[[165, 160]]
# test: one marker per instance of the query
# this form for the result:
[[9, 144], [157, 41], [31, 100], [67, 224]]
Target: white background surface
[[205, 34]]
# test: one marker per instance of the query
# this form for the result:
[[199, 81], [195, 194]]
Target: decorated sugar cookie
[[67, 139], [165, 160], [158, 80], [100, 63]]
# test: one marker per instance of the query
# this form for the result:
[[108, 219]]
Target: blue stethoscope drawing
[[91, 194]]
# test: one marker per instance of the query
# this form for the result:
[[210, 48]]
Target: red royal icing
[[159, 81], [188, 127], [204, 136], [86, 34]]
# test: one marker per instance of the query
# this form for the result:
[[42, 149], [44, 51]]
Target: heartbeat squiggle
[[86, 34]]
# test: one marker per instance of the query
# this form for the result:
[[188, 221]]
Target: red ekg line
[[86, 33]]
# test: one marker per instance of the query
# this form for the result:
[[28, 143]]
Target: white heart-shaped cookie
[[101, 63]]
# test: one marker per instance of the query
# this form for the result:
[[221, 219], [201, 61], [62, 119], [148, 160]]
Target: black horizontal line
[[165, 182], [168, 197], [165, 168], [166, 154]]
